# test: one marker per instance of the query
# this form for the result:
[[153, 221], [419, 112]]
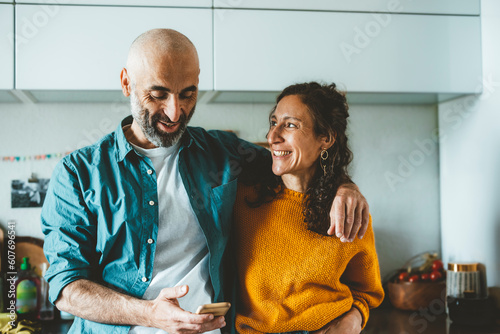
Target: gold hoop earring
[[322, 162]]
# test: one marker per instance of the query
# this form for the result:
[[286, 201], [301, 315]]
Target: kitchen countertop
[[389, 320], [386, 320]]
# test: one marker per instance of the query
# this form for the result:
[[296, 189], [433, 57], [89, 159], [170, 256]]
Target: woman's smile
[[280, 154]]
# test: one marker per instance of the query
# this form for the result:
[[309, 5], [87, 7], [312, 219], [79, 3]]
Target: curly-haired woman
[[292, 276]]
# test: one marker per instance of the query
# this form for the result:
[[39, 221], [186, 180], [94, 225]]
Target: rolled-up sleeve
[[69, 229]]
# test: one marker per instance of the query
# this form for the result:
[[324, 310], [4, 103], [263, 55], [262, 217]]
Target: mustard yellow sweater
[[293, 279]]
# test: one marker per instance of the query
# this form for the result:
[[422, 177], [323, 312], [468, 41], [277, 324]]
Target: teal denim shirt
[[101, 210]]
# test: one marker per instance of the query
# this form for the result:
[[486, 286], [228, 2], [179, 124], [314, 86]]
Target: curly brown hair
[[329, 111]]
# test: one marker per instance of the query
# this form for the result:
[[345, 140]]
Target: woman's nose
[[274, 136]]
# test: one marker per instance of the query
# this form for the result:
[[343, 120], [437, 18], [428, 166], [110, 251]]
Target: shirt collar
[[124, 147], [189, 138], [122, 144]]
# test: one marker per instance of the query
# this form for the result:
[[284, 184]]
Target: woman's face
[[294, 146]]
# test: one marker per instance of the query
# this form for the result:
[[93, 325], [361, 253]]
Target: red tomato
[[437, 265], [414, 278], [403, 276], [436, 276], [425, 277]]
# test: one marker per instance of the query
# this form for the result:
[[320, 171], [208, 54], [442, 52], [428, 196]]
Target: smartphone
[[217, 309]]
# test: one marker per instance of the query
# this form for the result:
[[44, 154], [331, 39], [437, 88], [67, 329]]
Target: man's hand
[[349, 213], [92, 301], [167, 315], [349, 323]]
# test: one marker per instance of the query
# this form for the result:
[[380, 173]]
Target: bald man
[[142, 217]]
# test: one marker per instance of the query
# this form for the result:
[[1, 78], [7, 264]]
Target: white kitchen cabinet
[[6, 46], [266, 50], [142, 3], [454, 7], [85, 47]]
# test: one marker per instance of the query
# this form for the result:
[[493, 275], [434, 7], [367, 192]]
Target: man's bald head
[[162, 78], [156, 46]]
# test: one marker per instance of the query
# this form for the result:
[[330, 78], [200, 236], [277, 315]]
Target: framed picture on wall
[[28, 193]]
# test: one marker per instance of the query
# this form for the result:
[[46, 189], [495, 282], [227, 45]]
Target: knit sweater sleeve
[[362, 275]]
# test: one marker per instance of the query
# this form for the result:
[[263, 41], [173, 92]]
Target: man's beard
[[149, 125]]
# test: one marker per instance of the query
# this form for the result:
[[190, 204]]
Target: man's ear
[[126, 82]]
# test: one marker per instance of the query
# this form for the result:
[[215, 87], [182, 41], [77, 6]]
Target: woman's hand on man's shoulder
[[349, 214]]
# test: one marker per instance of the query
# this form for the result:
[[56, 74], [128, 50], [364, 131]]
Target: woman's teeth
[[281, 153]]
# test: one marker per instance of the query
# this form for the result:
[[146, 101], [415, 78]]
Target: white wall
[[405, 210], [470, 162], [396, 167]]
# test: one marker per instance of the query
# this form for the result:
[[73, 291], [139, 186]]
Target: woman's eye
[[291, 125], [272, 123]]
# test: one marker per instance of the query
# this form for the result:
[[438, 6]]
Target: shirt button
[[150, 171], [151, 202], [150, 241], [144, 279]]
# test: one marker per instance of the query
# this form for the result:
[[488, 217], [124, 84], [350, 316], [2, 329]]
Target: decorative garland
[[34, 157]]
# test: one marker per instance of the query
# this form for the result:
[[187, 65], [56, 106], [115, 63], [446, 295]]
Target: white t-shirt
[[181, 255]]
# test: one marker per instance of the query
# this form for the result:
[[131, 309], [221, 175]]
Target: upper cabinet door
[[142, 3], [268, 50], [454, 7], [6, 46], [85, 48]]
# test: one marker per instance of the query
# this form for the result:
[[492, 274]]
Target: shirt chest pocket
[[223, 198]]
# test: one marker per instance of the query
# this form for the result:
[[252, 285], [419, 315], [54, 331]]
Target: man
[[142, 217]]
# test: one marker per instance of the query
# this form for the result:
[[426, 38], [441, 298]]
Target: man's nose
[[172, 108]]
